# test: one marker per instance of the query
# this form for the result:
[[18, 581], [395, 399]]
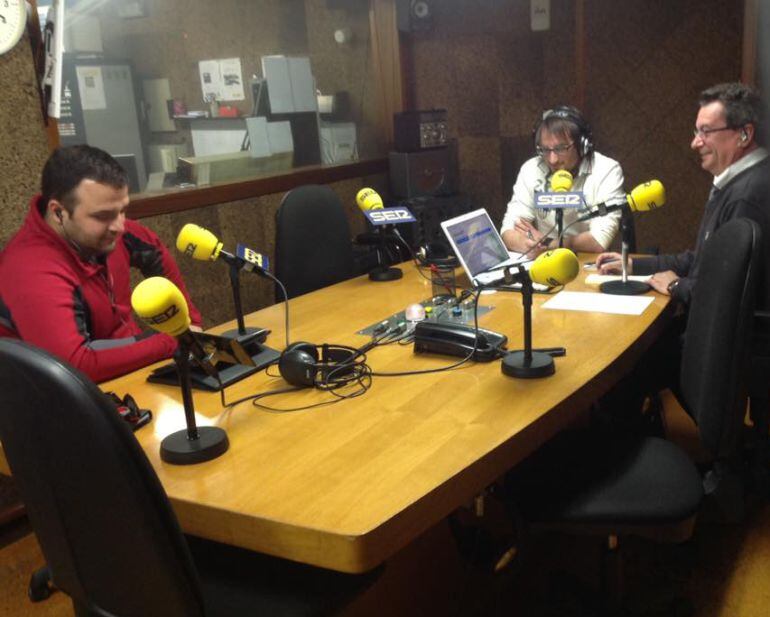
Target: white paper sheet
[[598, 303], [232, 79], [211, 79]]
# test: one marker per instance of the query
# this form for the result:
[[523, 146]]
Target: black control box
[[420, 130]]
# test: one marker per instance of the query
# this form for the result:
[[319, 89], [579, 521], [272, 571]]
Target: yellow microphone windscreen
[[198, 243], [556, 267], [368, 199], [161, 305], [561, 181], [647, 196]]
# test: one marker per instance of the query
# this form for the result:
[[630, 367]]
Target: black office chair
[[600, 482], [104, 523], [313, 247], [758, 441]]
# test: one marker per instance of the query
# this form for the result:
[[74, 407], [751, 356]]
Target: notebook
[[479, 247]]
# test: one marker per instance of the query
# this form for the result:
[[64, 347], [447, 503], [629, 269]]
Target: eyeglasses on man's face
[[560, 149], [702, 133]]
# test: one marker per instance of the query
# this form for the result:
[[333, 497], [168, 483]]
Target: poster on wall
[[232, 79], [211, 80], [221, 80], [91, 86]]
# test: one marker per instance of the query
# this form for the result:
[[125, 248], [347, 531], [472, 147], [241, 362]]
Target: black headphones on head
[[585, 142], [321, 366]]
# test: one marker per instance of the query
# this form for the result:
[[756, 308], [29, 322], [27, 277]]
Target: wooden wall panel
[[647, 60], [250, 222], [23, 142]]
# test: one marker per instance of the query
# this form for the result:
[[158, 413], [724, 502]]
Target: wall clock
[[13, 21]]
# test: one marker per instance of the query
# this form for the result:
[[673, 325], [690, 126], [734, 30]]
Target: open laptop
[[479, 247]]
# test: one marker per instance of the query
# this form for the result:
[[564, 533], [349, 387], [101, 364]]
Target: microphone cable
[[360, 374], [285, 300], [357, 371], [417, 263]]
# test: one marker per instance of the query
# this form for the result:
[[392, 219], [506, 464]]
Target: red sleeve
[[44, 308], [152, 258]]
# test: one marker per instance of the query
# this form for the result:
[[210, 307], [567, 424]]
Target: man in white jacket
[[563, 141]]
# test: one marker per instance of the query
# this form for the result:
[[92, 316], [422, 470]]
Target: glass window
[[191, 93]]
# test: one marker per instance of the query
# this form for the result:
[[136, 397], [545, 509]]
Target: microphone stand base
[[624, 288], [515, 364], [178, 449], [382, 274], [246, 334]]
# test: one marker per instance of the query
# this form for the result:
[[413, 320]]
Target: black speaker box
[[420, 130], [430, 212], [425, 173], [414, 15]]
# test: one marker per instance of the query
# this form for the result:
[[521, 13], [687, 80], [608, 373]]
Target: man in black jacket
[[728, 138]]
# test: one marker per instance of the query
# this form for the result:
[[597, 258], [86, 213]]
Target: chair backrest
[[313, 247], [717, 338], [103, 521]]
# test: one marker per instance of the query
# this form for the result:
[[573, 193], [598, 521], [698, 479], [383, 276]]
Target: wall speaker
[[424, 173], [429, 212], [414, 15]]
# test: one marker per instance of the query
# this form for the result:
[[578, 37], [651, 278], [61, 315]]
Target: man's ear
[[747, 134], [56, 210]]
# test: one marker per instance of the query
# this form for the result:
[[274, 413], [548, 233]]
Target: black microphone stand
[[560, 225], [529, 363], [191, 445], [624, 287], [242, 332], [382, 273]]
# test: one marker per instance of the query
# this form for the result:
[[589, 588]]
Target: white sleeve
[[522, 204], [608, 190]]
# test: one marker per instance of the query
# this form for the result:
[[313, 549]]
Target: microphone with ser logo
[[552, 268], [646, 197], [557, 199], [161, 305], [557, 267], [371, 204], [561, 181], [201, 244]]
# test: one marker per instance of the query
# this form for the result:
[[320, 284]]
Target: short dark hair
[[68, 166], [567, 121], [742, 104]]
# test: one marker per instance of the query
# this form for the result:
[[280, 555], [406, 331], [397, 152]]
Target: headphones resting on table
[[585, 140], [320, 366]]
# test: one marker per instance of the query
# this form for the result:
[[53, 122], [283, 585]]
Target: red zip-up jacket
[[81, 310]]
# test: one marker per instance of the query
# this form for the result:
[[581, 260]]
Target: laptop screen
[[476, 242]]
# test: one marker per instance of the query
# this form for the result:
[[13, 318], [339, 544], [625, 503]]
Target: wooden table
[[347, 485]]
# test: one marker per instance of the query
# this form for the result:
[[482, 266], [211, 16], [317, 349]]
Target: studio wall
[[647, 60]]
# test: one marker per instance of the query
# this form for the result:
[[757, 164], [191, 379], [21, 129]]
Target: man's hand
[[611, 263], [661, 280], [532, 239]]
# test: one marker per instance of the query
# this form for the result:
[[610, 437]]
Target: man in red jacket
[[65, 275]]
